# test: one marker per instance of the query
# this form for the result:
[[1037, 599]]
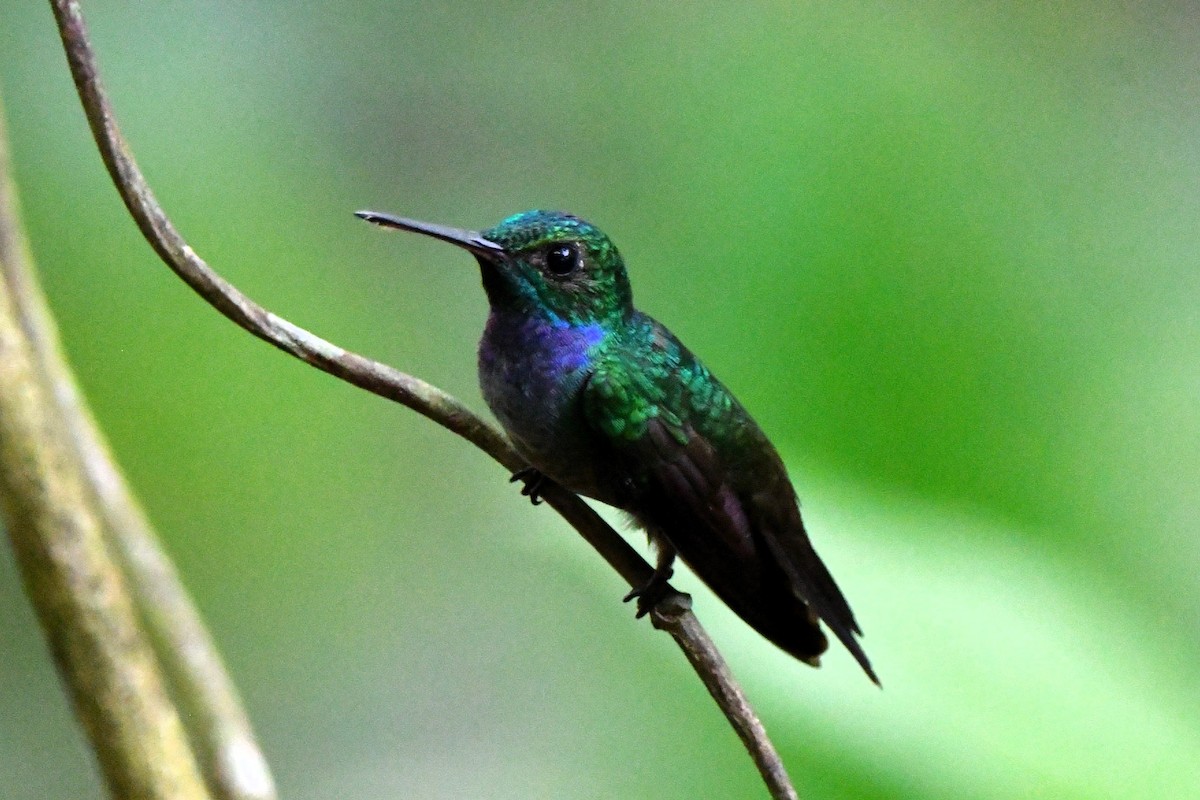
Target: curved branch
[[75, 586], [212, 711], [672, 614]]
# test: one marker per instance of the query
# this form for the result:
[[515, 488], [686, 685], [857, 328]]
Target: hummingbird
[[605, 401]]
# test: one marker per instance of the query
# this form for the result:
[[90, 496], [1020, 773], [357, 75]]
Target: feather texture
[[704, 478]]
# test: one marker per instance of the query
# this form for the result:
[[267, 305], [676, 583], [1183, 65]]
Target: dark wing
[[747, 545]]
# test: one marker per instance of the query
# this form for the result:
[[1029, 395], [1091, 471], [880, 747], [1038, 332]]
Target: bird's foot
[[534, 481], [649, 595]]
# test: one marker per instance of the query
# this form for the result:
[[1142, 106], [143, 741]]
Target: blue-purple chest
[[531, 372]]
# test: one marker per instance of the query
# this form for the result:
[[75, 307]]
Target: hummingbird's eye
[[562, 259]]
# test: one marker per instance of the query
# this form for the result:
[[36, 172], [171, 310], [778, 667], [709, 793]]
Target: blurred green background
[[948, 255]]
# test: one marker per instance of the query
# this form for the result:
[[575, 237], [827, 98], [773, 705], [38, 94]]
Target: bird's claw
[[534, 481], [648, 596]]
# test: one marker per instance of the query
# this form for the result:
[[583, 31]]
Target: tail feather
[[812, 583]]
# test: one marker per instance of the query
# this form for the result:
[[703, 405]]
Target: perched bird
[[605, 401]]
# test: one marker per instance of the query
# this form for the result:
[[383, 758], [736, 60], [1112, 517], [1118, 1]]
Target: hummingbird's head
[[541, 263]]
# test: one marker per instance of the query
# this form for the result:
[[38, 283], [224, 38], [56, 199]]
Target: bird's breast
[[531, 373]]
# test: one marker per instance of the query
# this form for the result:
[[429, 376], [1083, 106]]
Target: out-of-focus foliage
[[947, 255]]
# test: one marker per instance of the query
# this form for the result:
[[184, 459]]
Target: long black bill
[[468, 240]]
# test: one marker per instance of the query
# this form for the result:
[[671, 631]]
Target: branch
[[672, 614], [76, 588], [230, 756]]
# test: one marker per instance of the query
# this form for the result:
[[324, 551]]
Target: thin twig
[[672, 614], [77, 589], [234, 765]]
